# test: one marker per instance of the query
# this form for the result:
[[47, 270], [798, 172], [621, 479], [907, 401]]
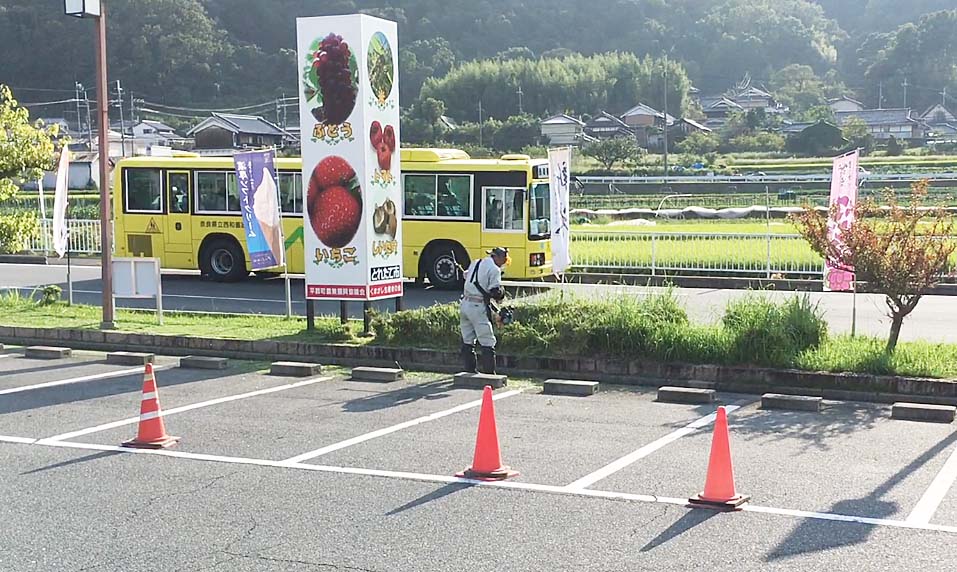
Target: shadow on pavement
[[84, 459], [689, 520], [432, 391], [814, 429], [434, 495], [50, 365], [84, 391], [813, 535]]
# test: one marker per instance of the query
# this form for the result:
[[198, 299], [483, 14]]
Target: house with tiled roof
[[223, 133], [899, 123]]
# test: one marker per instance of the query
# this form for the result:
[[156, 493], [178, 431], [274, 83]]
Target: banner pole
[[288, 290], [854, 310], [69, 277]]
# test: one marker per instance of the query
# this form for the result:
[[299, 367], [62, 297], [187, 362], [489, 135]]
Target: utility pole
[[880, 95], [665, 131], [521, 110], [943, 97], [480, 123], [89, 118], [905, 84], [79, 121], [119, 100]]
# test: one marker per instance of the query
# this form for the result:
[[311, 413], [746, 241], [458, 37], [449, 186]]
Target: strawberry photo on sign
[[334, 202]]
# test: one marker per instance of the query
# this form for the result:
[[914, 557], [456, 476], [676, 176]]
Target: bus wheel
[[442, 267], [224, 261]]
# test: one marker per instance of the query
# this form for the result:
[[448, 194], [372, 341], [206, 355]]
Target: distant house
[[938, 115], [156, 131], [647, 124], [883, 124], [564, 130], [754, 98], [607, 126], [816, 139], [65, 130], [223, 133], [448, 123], [717, 110], [685, 127], [844, 104]]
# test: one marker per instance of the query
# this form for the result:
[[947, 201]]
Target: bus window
[[504, 209], [539, 211], [217, 192], [144, 193], [290, 192], [438, 196], [178, 193], [454, 196]]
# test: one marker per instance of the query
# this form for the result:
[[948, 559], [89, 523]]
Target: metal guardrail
[[710, 253], [727, 179], [84, 237]]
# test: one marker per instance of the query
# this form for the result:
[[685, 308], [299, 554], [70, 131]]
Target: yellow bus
[[185, 211]]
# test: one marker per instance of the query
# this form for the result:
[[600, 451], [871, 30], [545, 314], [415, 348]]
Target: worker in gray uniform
[[483, 285]]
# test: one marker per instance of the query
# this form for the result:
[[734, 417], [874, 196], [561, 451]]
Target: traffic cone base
[[167, 441], [499, 474], [731, 504]]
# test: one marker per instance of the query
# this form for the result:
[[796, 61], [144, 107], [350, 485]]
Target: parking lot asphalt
[[325, 473]]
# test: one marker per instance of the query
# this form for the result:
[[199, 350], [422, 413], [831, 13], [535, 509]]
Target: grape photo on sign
[[331, 80], [381, 68], [334, 202]]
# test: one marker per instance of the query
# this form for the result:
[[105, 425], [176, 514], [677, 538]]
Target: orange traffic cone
[[152, 432], [719, 489], [487, 462]]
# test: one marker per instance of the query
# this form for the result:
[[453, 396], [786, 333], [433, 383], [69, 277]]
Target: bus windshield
[[539, 212]]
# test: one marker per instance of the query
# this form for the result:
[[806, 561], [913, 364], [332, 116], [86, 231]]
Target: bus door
[[179, 239], [503, 224]]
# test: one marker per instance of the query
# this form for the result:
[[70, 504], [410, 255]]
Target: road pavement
[[275, 473]]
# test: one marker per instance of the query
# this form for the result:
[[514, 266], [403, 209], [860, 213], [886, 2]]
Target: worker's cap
[[498, 251]]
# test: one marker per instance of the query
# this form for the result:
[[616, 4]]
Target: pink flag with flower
[[844, 195]]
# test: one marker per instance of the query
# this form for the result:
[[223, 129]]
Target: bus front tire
[[224, 261], [442, 270]]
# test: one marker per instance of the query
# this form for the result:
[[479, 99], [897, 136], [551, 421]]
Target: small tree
[[894, 147], [26, 150], [857, 133], [899, 250], [432, 111], [611, 151], [699, 143]]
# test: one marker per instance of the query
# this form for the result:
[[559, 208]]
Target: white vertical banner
[[559, 165], [349, 109], [61, 232]]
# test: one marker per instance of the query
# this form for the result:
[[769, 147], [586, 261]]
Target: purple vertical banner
[[259, 201]]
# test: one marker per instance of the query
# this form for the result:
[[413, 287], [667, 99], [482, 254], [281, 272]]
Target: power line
[[270, 103]]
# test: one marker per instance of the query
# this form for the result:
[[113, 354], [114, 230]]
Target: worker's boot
[[487, 363], [468, 358]]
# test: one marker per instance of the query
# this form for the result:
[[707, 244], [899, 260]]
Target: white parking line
[[381, 432], [183, 409], [935, 493], [643, 452], [513, 485], [94, 377]]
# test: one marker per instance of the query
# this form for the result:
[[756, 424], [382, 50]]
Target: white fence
[[652, 252], [84, 237]]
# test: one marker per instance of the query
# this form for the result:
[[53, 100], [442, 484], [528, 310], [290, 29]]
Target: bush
[[17, 231], [764, 332], [50, 295]]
